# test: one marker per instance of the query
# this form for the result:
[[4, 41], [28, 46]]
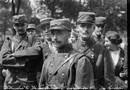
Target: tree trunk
[[18, 7], [13, 8]]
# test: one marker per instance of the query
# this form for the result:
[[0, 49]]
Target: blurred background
[[114, 10]]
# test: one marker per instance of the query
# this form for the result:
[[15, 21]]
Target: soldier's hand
[[8, 58], [38, 45]]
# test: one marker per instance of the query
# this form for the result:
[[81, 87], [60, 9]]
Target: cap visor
[[31, 29], [85, 22]]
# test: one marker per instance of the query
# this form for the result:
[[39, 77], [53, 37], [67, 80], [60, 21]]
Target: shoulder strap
[[89, 49], [69, 58]]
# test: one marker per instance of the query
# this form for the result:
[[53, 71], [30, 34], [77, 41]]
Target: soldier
[[31, 29], [100, 23], [99, 56], [21, 57], [44, 27], [66, 68]]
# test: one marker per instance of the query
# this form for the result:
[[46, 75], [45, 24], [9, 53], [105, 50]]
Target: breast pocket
[[63, 73], [92, 56]]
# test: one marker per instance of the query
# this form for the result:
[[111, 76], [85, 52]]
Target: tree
[[114, 10], [7, 10]]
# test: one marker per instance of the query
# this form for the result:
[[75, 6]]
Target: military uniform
[[31, 29], [99, 56], [67, 76], [67, 69], [47, 47], [21, 60], [101, 61], [100, 22]]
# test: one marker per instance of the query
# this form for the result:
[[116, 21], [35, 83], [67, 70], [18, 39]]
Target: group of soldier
[[63, 57]]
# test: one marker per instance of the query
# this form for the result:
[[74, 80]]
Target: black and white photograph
[[63, 44]]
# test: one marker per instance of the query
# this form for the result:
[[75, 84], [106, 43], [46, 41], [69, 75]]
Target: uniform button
[[49, 73], [80, 50], [51, 65], [65, 56], [62, 74], [92, 56], [64, 65]]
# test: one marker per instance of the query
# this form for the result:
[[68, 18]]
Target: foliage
[[6, 13], [114, 10]]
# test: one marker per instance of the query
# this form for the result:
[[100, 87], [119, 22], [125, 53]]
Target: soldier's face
[[85, 29], [59, 38], [20, 28], [31, 32], [99, 29], [45, 28]]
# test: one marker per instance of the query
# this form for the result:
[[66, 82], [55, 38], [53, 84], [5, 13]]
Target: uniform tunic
[[100, 59], [22, 67], [75, 73]]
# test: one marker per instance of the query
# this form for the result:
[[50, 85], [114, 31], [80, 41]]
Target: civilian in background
[[119, 57]]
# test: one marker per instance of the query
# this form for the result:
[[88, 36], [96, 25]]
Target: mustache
[[86, 32], [56, 41], [20, 29]]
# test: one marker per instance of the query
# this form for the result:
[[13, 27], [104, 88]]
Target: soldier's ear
[[26, 25]]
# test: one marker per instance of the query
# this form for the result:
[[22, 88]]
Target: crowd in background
[[37, 60]]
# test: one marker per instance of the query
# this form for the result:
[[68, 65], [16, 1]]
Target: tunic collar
[[65, 49], [19, 38], [89, 43]]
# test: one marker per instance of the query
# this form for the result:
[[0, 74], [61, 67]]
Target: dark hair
[[114, 37]]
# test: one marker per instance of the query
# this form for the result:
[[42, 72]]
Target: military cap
[[60, 24], [31, 26], [34, 20], [100, 20], [86, 17], [43, 22], [114, 37], [19, 18]]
